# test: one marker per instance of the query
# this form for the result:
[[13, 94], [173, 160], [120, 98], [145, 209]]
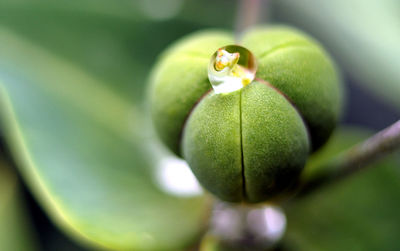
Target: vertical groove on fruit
[[241, 147]]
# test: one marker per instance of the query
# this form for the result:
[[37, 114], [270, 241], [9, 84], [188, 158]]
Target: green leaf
[[15, 228], [125, 9], [364, 36], [157, 10], [358, 213], [109, 39], [85, 154], [117, 51]]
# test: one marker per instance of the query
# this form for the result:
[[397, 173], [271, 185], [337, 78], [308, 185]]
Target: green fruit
[[249, 145]]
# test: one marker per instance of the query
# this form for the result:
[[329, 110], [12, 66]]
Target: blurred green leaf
[[122, 9], [115, 41], [15, 228], [206, 12], [364, 36], [117, 51], [84, 151], [358, 213]]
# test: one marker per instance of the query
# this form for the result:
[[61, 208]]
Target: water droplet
[[231, 68]]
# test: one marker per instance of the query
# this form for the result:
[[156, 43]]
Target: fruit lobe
[[249, 145]]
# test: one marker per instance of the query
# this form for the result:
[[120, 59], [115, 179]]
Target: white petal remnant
[[175, 177], [248, 227], [268, 222]]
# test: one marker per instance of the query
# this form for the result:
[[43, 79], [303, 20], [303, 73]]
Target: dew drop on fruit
[[231, 68]]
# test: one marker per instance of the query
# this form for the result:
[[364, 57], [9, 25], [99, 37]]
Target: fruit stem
[[354, 159], [250, 12]]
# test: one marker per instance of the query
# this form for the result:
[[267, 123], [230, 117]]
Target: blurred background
[[114, 44]]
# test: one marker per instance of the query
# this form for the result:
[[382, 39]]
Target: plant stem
[[250, 12], [354, 159]]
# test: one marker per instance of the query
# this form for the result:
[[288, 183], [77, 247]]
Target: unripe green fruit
[[251, 144]]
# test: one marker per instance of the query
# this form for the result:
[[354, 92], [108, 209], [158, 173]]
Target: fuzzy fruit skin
[[249, 145], [179, 80], [299, 67]]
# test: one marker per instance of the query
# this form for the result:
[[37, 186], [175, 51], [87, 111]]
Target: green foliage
[[84, 153], [239, 145]]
